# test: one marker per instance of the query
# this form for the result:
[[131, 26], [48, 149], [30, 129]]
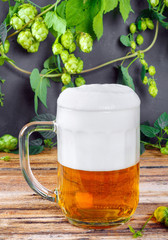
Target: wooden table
[[24, 215]]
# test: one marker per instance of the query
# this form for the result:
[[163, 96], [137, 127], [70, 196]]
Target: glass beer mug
[[98, 141]]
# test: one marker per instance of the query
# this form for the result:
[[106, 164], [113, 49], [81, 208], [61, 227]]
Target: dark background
[[19, 99]]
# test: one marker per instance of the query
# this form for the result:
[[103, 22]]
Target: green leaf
[[58, 24], [156, 124], [162, 121], [142, 148], [61, 9], [2, 80], [12, 10], [50, 63], [36, 142], [3, 32], [98, 25], [74, 12], [124, 78], [45, 117], [149, 131], [125, 8], [131, 229], [90, 10], [137, 234], [33, 150], [125, 40], [59, 64], [143, 72], [110, 5], [39, 86]]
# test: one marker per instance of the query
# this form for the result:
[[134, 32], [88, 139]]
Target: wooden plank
[[24, 215]]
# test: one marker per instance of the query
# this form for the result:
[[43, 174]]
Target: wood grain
[[25, 215]]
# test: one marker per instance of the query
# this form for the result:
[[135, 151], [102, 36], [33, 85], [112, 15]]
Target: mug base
[[97, 225]]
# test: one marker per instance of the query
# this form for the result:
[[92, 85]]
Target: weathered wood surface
[[24, 215]]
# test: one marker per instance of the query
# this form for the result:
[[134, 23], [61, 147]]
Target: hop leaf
[[58, 24]]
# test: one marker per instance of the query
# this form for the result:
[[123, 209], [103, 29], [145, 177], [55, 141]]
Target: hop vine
[[71, 32]]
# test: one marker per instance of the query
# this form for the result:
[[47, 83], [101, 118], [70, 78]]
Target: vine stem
[[99, 66], [147, 222], [132, 62], [150, 144]]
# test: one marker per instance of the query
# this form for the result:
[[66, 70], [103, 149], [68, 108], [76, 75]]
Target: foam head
[[98, 127], [99, 97]]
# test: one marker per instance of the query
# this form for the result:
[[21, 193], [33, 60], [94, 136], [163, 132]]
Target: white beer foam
[[98, 127], [99, 97]]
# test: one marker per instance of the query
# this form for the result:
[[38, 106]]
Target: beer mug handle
[[26, 131]]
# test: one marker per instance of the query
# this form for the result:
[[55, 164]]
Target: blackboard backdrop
[[19, 99]]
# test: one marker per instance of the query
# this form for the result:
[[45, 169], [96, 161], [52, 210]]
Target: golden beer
[[90, 197]]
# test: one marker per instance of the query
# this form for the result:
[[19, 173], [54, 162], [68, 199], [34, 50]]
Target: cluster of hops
[[142, 25], [150, 81], [35, 32], [72, 64]]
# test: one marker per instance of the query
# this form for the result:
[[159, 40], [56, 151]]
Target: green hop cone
[[85, 42], [39, 30], [143, 25], [152, 70], [153, 91], [132, 28], [72, 47], [145, 81], [64, 56], [152, 82], [25, 39], [164, 150], [16, 22], [34, 47], [149, 23], [139, 39], [144, 63], [66, 78], [57, 48], [166, 3], [133, 45], [71, 65], [161, 213], [8, 143], [80, 66], [5, 48], [154, 3], [79, 81], [27, 12], [67, 39], [63, 88]]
